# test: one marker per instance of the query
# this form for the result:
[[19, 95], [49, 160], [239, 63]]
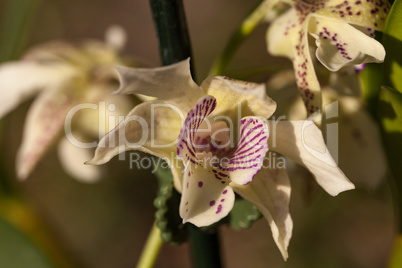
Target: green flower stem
[[245, 29], [174, 46], [152, 248]]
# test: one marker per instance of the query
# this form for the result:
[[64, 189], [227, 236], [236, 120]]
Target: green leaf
[[17, 251], [392, 41], [167, 202], [243, 214], [371, 80]]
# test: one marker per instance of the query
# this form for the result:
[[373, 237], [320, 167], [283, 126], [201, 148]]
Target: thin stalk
[[244, 30], [174, 46], [151, 249]]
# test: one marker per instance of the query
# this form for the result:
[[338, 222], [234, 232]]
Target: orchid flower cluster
[[217, 137], [194, 128], [344, 34]]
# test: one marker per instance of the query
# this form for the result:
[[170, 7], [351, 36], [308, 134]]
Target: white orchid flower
[[63, 76], [215, 138], [343, 31]]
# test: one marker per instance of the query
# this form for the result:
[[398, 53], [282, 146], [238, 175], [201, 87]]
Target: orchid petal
[[270, 193], [369, 14], [151, 127], [43, 124], [53, 51], [231, 93], [111, 109], [282, 34], [287, 37], [302, 142], [205, 199], [20, 80], [250, 151], [172, 82], [340, 44], [186, 150], [72, 159]]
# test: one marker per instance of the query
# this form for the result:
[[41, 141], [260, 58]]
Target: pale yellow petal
[[21, 80], [172, 83], [288, 36], [44, 122], [282, 35], [108, 112], [340, 44], [151, 127], [205, 200], [302, 142], [72, 159], [235, 96], [270, 193], [369, 14]]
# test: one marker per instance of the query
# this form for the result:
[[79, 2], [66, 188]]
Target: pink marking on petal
[[219, 209]]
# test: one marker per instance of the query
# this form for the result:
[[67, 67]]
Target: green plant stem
[[244, 30], [152, 248], [174, 45]]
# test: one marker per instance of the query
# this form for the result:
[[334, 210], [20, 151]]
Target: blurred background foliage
[[106, 224]]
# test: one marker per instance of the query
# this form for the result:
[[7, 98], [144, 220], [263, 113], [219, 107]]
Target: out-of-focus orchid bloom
[[215, 138], [64, 76], [343, 31], [356, 138]]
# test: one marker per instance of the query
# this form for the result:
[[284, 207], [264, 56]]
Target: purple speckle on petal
[[200, 184], [212, 203], [223, 199], [224, 192], [219, 209]]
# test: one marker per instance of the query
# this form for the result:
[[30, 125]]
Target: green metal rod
[[171, 27], [174, 46]]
